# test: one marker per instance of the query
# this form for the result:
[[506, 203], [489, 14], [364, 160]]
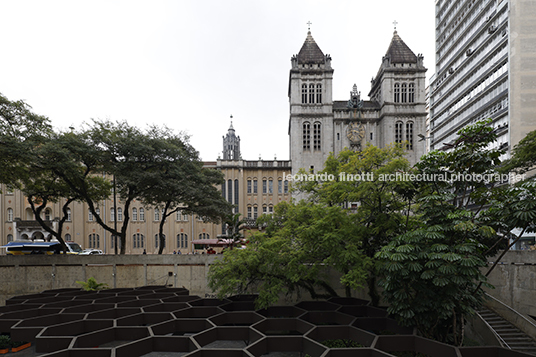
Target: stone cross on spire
[[309, 23], [395, 23]]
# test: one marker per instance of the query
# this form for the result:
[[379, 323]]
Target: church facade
[[319, 125]]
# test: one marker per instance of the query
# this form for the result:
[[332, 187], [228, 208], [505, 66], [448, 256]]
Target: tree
[[39, 162], [20, 131], [381, 200], [303, 243], [431, 274], [234, 226], [181, 183]]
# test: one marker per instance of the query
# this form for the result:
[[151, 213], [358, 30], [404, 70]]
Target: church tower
[[231, 145], [399, 89], [311, 114]]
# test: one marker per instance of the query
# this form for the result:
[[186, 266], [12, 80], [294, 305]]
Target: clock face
[[355, 132]]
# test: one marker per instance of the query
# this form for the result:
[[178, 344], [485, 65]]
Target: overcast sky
[[189, 65]]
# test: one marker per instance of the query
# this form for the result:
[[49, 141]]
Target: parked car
[[40, 247], [91, 251]]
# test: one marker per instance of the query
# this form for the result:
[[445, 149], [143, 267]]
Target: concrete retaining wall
[[515, 281], [20, 275]]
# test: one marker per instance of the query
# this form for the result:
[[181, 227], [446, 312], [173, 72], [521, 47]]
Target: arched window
[[156, 214], [204, 236], [404, 96], [112, 214], [317, 129], [134, 214], [48, 214], [397, 93], [137, 240], [398, 132], [29, 214], [10, 237], [119, 214], [69, 217], [255, 212], [94, 240], [319, 93], [182, 240], [411, 93], [409, 135], [304, 93], [142, 214], [68, 238], [311, 93], [157, 240], [306, 136], [250, 215]]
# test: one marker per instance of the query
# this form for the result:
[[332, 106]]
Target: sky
[[191, 64]]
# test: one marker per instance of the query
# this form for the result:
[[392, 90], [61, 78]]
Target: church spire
[[231, 144]]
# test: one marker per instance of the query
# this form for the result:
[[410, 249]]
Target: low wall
[[29, 274]]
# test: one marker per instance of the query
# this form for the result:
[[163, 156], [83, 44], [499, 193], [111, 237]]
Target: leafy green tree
[[303, 244], [20, 131], [234, 227], [431, 273], [381, 200], [181, 183]]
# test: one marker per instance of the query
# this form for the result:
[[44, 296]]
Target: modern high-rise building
[[485, 68]]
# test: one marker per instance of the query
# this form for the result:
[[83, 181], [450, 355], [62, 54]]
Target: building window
[[10, 237], [112, 214], [397, 93], [113, 239], [230, 191], [404, 96], [254, 186], [69, 217], [249, 212], [279, 186], [306, 136], [90, 216], [255, 213], [249, 186], [157, 240], [137, 240], [48, 214], [286, 186], [264, 186], [409, 135], [120, 214], [371, 136], [156, 214], [10, 214], [411, 93], [319, 93], [304, 93], [182, 240], [270, 209], [68, 238], [94, 240], [264, 209], [142, 214], [270, 186], [134, 214], [316, 136], [204, 236], [184, 216], [311, 93], [398, 132], [236, 197]]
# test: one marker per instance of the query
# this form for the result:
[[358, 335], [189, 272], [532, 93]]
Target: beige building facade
[[254, 187]]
